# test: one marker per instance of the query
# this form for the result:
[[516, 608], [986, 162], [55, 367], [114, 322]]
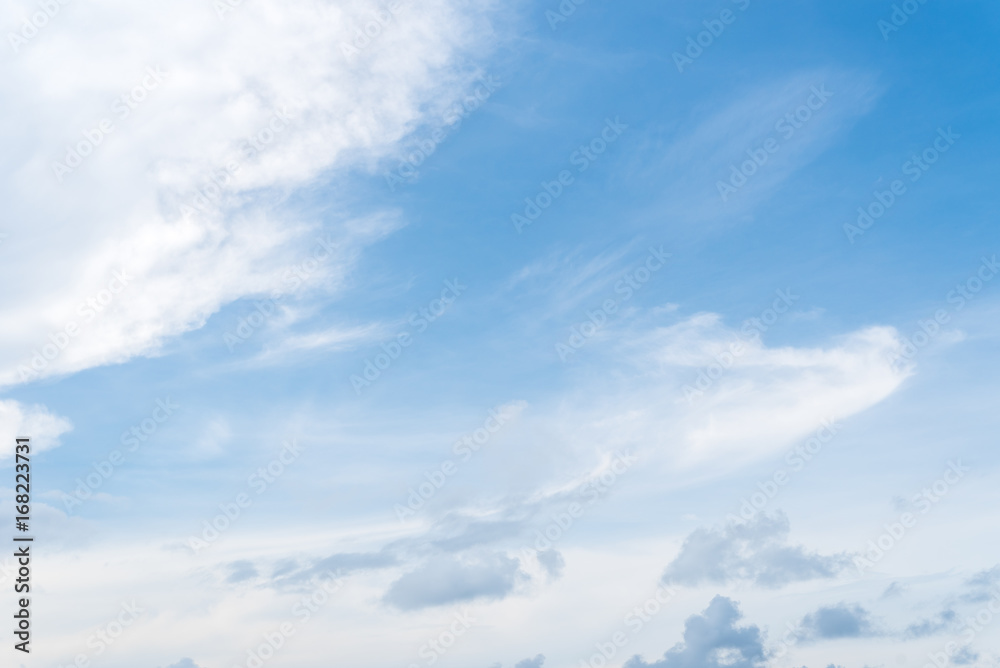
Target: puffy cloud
[[178, 206], [184, 663], [445, 579], [37, 422], [712, 640], [755, 551], [838, 621]]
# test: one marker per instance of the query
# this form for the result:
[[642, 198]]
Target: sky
[[556, 334]]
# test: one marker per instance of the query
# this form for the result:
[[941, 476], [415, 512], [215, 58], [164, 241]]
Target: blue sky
[[626, 343]]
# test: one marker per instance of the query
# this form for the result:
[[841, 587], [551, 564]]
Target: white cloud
[[771, 395], [36, 422], [764, 398], [275, 70]]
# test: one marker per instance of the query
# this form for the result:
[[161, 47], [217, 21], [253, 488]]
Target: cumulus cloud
[[756, 551], [35, 421], [838, 621], [179, 205], [713, 640], [184, 663], [446, 579]]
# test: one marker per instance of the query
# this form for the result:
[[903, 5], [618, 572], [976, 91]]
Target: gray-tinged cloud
[[354, 561], [447, 579], [965, 656], [290, 574], [526, 663], [755, 551], [895, 589], [712, 640], [552, 561], [184, 663], [930, 626], [838, 621], [983, 586], [531, 663], [240, 571]]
